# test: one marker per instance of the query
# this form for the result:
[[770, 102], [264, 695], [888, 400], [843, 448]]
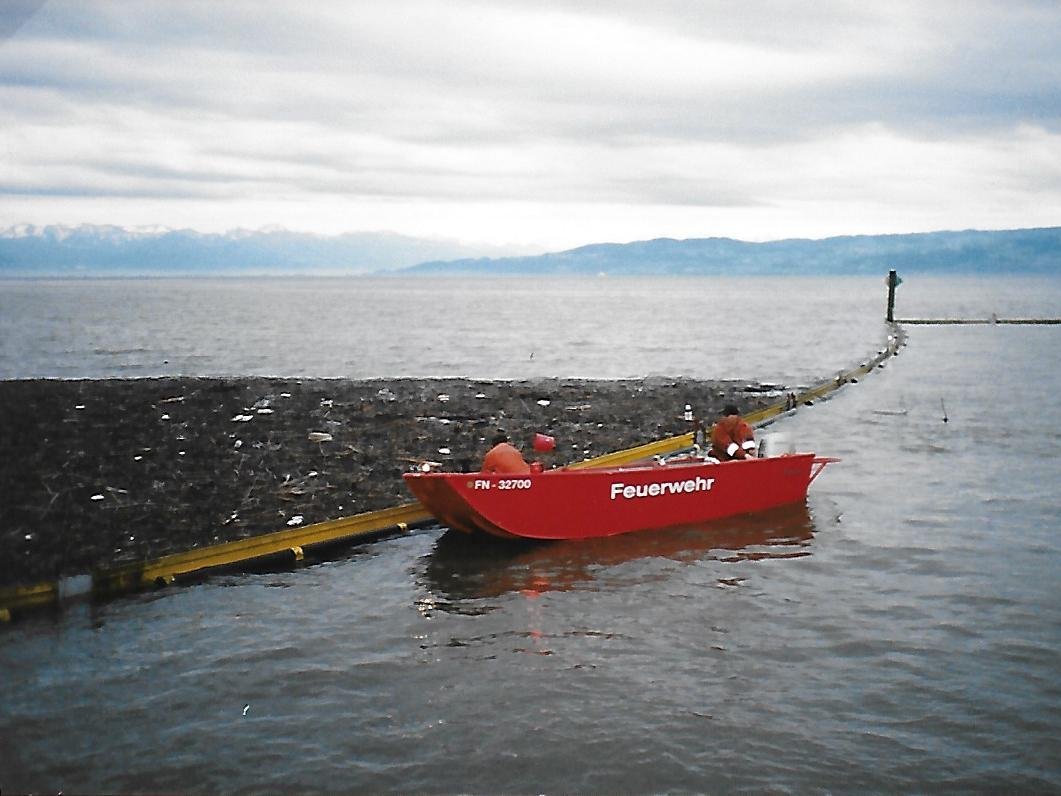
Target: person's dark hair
[[499, 437], [730, 409]]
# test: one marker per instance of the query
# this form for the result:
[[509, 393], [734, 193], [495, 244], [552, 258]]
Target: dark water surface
[[900, 632]]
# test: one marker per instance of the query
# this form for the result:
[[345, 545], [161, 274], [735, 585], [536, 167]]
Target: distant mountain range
[[114, 251], [1028, 251], [89, 250]]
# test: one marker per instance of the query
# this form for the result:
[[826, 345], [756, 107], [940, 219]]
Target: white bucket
[[775, 443]]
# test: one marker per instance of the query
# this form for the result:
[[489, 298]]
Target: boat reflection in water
[[463, 567]]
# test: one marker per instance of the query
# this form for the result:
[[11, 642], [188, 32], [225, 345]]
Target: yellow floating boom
[[122, 579], [162, 571]]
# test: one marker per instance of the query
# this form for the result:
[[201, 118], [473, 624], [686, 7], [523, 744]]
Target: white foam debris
[[319, 436], [480, 395], [443, 397], [242, 418], [96, 497], [164, 417], [296, 520], [444, 451], [544, 402]]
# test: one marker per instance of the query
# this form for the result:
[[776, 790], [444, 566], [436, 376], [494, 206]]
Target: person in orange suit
[[504, 457], [731, 437]]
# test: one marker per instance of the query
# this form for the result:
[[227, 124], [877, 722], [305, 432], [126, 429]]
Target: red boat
[[604, 501]]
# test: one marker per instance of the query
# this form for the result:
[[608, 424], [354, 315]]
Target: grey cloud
[[266, 61], [155, 172], [311, 79], [15, 13], [71, 190]]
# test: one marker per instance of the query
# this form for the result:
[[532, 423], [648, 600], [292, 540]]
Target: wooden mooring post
[[893, 281]]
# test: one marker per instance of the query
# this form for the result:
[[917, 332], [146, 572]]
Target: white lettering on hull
[[660, 488], [504, 483]]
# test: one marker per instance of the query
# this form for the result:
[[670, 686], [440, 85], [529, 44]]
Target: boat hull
[[595, 502]]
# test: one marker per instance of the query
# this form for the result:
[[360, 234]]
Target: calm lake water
[[490, 328], [900, 632]]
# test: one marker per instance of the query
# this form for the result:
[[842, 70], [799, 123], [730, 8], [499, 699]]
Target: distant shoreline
[[60, 251]]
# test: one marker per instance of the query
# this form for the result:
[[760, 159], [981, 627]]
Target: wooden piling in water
[[893, 281]]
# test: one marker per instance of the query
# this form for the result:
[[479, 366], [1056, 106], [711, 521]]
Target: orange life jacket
[[729, 437]]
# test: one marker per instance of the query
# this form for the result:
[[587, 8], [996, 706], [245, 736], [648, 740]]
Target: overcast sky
[[548, 122]]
